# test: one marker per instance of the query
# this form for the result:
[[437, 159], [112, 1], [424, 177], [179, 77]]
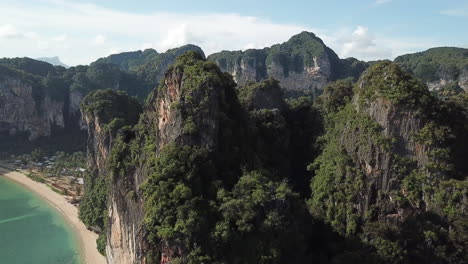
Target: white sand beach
[[70, 212]]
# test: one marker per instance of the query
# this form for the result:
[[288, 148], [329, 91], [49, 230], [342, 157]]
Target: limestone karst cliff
[[24, 108], [148, 65], [386, 164], [173, 179], [440, 68], [209, 170], [217, 168], [106, 112], [39, 101], [303, 64]]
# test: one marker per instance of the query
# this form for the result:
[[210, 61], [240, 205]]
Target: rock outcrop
[[387, 163], [302, 64], [191, 145], [200, 179], [38, 100], [148, 65], [438, 67], [24, 110], [263, 95], [106, 112], [380, 133]]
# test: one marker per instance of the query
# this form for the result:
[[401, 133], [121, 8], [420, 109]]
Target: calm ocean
[[32, 231]]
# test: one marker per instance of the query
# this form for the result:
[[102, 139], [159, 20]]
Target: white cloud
[[250, 46], [99, 39], [176, 36], [88, 27], [9, 31], [361, 44], [381, 2], [146, 46]]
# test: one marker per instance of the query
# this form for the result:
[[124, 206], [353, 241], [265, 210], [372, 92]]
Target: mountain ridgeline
[[303, 65], [443, 69], [39, 103], [286, 154], [371, 172]]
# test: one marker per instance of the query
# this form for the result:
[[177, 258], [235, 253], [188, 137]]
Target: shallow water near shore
[[32, 231]]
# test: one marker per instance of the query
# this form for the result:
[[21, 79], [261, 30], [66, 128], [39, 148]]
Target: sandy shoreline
[[70, 212]]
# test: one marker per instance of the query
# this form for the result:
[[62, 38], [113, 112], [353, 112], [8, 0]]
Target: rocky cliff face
[[303, 63], [386, 162], [439, 68], [378, 132], [38, 99], [263, 95], [400, 122], [168, 119], [22, 111], [148, 65], [444, 79], [107, 112], [191, 146], [178, 192]]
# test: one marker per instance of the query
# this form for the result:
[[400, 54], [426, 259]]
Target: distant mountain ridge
[[39, 101], [54, 61], [438, 67], [148, 65], [301, 64]]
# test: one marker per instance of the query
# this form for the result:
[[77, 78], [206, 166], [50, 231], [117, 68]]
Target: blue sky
[[82, 31]]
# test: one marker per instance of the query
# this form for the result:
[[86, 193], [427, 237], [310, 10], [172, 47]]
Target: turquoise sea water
[[32, 231]]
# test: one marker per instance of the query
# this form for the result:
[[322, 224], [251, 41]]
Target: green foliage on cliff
[[129, 61], [300, 51], [94, 203], [262, 221], [335, 96], [113, 108], [31, 66], [152, 72], [177, 197], [264, 94], [387, 80], [338, 179], [198, 198], [349, 68], [437, 63], [232, 187], [344, 191]]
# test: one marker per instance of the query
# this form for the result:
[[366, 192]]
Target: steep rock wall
[[303, 63], [187, 111], [21, 112]]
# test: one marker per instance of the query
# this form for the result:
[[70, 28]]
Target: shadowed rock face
[[182, 112], [378, 133], [263, 95], [445, 79], [380, 99]]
